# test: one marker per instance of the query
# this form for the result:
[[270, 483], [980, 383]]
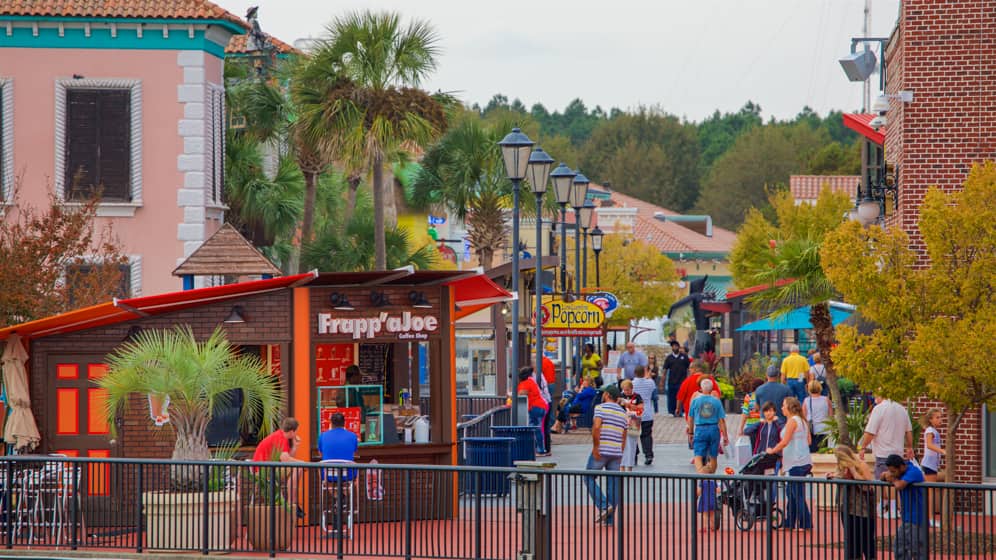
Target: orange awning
[[120, 310], [475, 293], [860, 123]]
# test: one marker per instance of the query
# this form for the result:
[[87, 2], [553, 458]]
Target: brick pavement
[[667, 430]]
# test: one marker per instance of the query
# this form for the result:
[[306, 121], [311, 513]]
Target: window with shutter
[[80, 272], [98, 144]]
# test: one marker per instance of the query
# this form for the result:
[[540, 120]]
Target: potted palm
[[171, 366], [269, 514]]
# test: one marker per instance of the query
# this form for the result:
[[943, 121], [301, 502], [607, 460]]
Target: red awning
[[475, 293], [717, 307], [859, 122], [120, 310]]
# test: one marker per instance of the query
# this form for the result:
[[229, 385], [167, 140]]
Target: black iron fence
[[396, 511]]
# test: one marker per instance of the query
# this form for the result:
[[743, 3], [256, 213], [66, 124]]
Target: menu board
[[331, 361], [374, 361], [352, 415]]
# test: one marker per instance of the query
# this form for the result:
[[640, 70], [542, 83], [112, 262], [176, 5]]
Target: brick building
[[944, 51]]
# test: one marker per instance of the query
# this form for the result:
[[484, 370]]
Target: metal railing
[[399, 511]]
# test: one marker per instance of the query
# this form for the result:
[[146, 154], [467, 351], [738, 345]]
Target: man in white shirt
[[889, 432]]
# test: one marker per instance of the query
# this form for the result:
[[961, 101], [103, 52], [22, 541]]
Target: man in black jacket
[[676, 365]]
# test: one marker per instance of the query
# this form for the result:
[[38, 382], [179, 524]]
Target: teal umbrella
[[797, 319]]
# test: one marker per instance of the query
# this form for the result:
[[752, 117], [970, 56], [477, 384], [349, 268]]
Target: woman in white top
[[794, 447], [818, 372], [818, 411], [933, 450]]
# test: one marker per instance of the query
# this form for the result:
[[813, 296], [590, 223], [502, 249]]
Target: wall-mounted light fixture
[[418, 299], [236, 316], [340, 302], [379, 299], [132, 334]]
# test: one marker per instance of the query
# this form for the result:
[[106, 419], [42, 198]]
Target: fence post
[[620, 489], [769, 506], [273, 511], [205, 511], [338, 511], [7, 500], [694, 541], [845, 513], [408, 514], [477, 514], [73, 513], [138, 510], [531, 503]]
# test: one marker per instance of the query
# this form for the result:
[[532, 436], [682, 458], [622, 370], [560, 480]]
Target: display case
[[362, 406]]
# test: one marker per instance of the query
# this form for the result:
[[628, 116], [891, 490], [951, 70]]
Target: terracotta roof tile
[[808, 187], [237, 45], [670, 237], [152, 9]]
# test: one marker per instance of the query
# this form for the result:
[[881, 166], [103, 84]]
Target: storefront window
[[476, 370]]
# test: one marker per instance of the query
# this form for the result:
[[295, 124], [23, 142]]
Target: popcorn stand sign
[[574, 318]]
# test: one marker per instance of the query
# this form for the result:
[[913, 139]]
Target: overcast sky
[[689, 57]]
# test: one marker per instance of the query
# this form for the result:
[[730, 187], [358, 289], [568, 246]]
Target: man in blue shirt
[[628, 361], [773, 392], [707, 421], [905, 476], [338, 443]]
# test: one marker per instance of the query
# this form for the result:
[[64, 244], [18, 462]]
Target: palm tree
[[195, 377], [464, 172], [361, 97], [785, 256]]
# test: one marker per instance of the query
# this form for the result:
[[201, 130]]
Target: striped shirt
[[614, 421]]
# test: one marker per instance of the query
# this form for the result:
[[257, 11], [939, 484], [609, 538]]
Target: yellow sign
[[575, 318]]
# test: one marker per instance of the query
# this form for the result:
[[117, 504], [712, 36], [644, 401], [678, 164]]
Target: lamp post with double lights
[[579, 193], [515, 149], [563, 182], [587, 214], [540, 163], [596, 247]]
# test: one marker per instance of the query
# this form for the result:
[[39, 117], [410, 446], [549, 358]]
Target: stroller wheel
[[744, 520], [777, 518]]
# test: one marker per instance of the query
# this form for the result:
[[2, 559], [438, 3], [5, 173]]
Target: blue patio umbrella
[[797, 319]]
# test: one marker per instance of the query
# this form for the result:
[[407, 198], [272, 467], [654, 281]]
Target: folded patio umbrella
[[20, 429]]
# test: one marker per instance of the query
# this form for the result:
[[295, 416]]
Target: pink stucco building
[[125, 96]]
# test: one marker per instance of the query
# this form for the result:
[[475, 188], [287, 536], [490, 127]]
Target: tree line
[[721, 166]]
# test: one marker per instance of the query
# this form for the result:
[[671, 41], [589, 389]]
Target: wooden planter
[[175, 520], [258, 527]]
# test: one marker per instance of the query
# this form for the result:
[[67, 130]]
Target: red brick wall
[[968, 441], [944, 51], [268, 321]]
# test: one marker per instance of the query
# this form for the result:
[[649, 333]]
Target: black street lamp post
[[563, 182], [587, 214], [539, 173], [579, 193], [596, 247], [515, 148]]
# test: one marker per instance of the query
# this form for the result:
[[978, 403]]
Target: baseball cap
[[612, 390]]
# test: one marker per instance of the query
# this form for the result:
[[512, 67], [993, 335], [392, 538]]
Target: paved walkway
[[667, 429]]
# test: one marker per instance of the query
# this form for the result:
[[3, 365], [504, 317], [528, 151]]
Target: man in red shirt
[[549, 370], [280, 446]]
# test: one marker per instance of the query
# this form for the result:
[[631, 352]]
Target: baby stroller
[[746, 499]]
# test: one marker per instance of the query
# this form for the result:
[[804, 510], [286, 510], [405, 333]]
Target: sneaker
[[299, 512], [605, 516], [935, 524], [649, 461]]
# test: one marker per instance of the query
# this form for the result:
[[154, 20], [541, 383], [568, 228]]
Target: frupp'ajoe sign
[[575, 318], [402, 326]]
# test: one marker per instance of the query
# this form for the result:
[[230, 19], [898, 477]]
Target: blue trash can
[[488, 452], [524, 448]]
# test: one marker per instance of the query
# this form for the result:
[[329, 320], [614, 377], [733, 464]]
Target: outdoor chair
[[338, 497]]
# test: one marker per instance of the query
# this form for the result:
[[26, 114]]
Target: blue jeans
[[796, 510], [536, 416], [612, 484], [798, 389], [653, 397]]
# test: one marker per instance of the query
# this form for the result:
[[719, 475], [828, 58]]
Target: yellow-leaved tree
[[638, 274], [784, 255], [935, 318]]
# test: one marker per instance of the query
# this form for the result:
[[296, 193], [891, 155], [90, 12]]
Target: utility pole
[[866, 100]]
